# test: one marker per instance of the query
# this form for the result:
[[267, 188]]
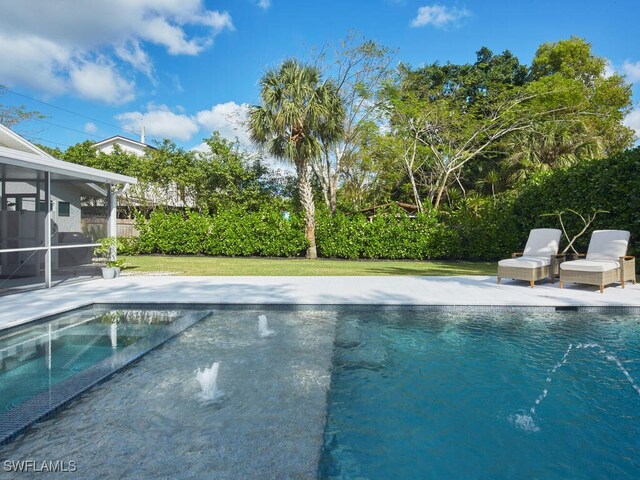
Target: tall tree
[[495, 113], [298, 114], [359, 68], [455, 133], [446, 118], [607, 97], [548, 146]]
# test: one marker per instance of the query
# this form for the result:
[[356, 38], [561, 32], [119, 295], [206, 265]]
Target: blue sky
[[186, 67]]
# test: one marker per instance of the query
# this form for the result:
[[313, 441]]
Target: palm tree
[[549, 146], [298, 111]]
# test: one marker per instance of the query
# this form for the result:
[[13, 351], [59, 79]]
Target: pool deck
[[380, 290]]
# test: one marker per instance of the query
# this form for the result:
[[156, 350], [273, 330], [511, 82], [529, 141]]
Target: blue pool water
[[36, 357], [513, 395], [337, 393], [151, 420]]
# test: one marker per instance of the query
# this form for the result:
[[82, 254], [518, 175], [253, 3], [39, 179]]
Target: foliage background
[[487, 229]]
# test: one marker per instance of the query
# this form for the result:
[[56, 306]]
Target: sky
[[184, 68]]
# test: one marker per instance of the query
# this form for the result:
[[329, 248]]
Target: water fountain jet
[[263, 327], [207, 378]]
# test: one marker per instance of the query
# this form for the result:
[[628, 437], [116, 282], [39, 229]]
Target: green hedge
[[266, 233], [393, 235], [490, 229], [487, 228], [611, 184], [233, 232]]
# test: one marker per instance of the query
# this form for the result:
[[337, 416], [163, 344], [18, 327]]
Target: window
[[64, 209]]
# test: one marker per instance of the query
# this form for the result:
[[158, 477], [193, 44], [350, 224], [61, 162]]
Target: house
[[126, 145], [147, 196], [41, 234]]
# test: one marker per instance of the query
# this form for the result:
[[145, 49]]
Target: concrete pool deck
[[380, 290]]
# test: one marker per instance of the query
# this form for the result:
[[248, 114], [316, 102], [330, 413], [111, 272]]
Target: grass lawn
[[298, 266]]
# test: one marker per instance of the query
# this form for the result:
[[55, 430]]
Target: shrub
[[234, 232], [611, 184], [392, 235], [487, 228]]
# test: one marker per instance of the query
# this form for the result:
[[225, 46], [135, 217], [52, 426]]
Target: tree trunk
[[409, 166], [333, 193], [414, 187], [322, 169], [441, 188], [306, 199]]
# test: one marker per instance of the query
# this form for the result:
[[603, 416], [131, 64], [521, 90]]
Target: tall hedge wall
[[266, 233], [611, 184]]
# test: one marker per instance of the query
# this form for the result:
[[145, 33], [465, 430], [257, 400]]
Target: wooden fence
[[97, 227]]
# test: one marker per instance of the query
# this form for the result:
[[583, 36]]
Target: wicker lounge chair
[[538, 260], [606, 261]]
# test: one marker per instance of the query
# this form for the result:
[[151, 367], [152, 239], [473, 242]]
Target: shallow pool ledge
[[388, 290]]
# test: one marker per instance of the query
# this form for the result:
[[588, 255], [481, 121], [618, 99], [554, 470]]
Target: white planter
[[110, 272]]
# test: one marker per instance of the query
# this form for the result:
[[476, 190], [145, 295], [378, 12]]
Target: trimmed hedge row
[[267, 233], [390, 236], [494, 228], [230, 233], [488, 229]]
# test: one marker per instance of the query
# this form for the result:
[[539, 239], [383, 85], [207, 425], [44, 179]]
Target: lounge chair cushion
[[525, 262], [590, 265], [542, 242], [608, 245]]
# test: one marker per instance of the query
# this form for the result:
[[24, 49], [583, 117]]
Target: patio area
[[388, 290]]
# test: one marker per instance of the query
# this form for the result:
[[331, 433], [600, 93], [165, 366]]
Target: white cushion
[[608, 245], [590, 265], [542, 242], [525, 262]]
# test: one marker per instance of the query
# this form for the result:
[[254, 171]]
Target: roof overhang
[[47, 163], [119, 140]]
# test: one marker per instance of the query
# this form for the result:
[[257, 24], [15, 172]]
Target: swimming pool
[[366, 392], [460, 395]]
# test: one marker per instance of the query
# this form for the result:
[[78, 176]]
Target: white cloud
[[632, 120], [264, 4], [631, 70], [175, 124], [438, 16], [228, 119], [100, 81], [132, 53], [159, 121], [90, 127], [33, 61], [52, 46]]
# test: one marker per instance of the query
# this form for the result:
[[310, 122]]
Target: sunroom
[[52, 214]]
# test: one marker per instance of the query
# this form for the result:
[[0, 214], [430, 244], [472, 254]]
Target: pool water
[[442, 395], [38, 356], [334, 393], [151, 421]]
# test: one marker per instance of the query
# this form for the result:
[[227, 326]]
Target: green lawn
[[295, 266]]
